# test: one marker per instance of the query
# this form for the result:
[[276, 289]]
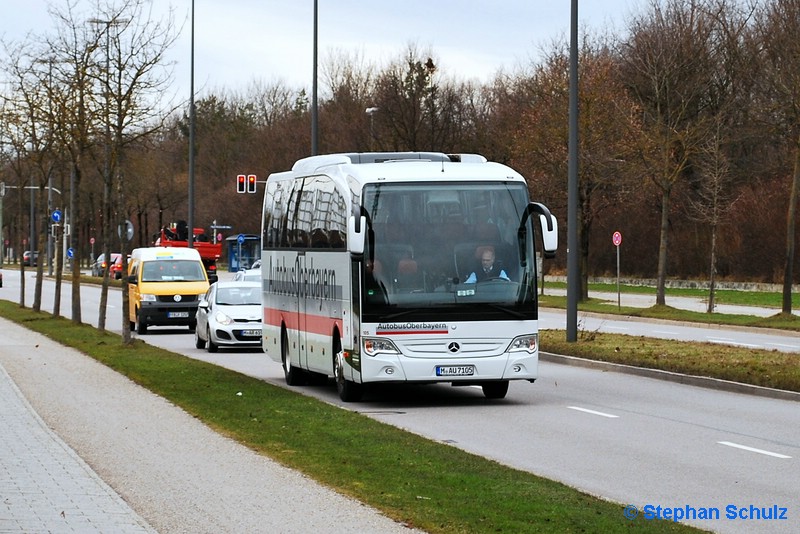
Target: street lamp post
[[314, 110], [108, 23], [371, 112], [49, 62], [573, 252], [190, 237]]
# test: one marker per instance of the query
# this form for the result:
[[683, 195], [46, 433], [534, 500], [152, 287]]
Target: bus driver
[[488, 269]]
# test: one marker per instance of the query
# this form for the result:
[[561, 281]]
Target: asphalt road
[[630, 439]]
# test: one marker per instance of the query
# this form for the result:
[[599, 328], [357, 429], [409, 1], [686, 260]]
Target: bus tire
[[495, 390], [294, 375], [348, 390]]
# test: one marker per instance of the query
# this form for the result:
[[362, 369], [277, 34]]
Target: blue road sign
[[56, 216]]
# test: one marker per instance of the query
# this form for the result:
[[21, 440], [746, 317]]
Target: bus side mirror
[[356, 230], [549, 235]]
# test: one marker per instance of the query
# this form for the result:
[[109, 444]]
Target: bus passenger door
[[303, 309]]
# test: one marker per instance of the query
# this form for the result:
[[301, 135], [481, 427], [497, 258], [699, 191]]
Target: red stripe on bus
[[315, 324]]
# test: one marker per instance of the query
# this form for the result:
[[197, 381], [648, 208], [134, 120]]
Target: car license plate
[[455, 370], [252, 333], [178, 315]]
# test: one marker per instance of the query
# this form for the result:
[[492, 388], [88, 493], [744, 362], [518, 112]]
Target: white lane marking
[[724, 341], [751, 449], [612, 327], [666, 332], [593, 412]]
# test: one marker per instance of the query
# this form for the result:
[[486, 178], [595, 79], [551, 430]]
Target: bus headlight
[[526, 343], [373, 346]]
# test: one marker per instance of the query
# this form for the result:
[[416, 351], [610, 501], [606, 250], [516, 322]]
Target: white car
[[248, 275], [229, 315]]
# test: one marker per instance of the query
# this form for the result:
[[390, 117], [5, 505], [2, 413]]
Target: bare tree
[[132, 76], [714, 200], [405, 94], [778, 28], [667, 65], [607, 128]]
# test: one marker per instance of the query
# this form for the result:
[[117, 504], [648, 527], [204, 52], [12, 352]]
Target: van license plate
[[178, 315], [455, 370]]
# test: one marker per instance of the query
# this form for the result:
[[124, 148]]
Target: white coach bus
[[372, 271]]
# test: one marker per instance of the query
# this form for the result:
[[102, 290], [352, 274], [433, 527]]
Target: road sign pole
[[616, 238], [619, 303]]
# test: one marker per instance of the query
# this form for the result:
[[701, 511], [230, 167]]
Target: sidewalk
[[90, 451], [44, 485], [636, 300]]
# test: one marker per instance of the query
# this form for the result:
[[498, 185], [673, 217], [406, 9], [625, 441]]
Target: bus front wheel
[[495, 390], [348, 390]]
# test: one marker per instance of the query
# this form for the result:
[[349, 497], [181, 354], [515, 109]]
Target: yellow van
[[165, 285]]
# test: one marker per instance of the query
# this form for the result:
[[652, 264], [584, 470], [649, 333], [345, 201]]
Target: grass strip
[[761, 299], [780, 321], [771, 369], [416, 481]]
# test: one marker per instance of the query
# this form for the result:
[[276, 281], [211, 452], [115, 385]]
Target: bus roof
[[402, 166]]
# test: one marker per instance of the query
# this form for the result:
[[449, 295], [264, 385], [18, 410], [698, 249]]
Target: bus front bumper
[[506, 366]]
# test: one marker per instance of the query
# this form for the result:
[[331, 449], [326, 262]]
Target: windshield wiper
[[399, 314], [507, 311]]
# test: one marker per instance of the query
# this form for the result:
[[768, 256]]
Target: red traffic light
[[241, 184], [251, 183]]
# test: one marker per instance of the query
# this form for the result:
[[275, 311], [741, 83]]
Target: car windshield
[[443, 248], [171, 270], [238, 296]]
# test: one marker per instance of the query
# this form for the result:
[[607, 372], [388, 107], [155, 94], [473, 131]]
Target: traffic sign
[[56, 216], [70, 253], [240, 239], [91, 241], [617, 239]]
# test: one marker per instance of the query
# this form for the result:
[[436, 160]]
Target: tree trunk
[[791, 216], [662, 248], [713, 273]]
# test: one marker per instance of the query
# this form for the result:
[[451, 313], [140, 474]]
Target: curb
[[691, 380]]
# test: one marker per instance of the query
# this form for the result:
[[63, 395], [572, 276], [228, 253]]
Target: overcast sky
[[238, 41]]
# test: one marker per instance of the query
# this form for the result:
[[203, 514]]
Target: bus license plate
[[455, 370], [178, 315], [251, 333]]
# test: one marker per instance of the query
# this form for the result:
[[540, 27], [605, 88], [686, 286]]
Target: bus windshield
[[438, 249]]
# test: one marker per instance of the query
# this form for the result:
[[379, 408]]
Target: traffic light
[[241, 184], [251, 183]]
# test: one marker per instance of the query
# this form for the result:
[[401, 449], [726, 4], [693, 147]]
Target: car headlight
[[373, 346], [528, 343], [146, 297], [223, 319]]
